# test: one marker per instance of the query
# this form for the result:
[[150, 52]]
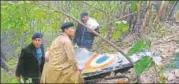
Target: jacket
[[84, 38], [62, 65], [28, 65]]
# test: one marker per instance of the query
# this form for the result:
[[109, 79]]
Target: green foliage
[[29, 80], [139, 46], [13, 80], [29, 16], [133, 6], [12, 62], [120, 27], [161, 30], [5, 78], [143, 64], [114, 6], [104, 31], [146, 61], [24, 18]]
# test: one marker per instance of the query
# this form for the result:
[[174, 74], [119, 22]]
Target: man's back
[[61, 66], [61, 63], [57, 53]]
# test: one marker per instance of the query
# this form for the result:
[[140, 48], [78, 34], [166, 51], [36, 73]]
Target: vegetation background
[[122, 22]]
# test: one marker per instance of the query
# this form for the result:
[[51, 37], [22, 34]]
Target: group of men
[[59, 64]]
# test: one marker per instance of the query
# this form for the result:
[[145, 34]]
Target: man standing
[[31, 60], [83, 37], [62, 65]]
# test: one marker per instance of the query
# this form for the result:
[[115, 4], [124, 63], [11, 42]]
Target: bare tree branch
[[94, 7], [172, 8], [119, 18]]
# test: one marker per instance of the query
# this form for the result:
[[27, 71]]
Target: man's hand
[[11, 72], [97, 30], [75, 45], [80, 68], [89, 30], [46, 56]]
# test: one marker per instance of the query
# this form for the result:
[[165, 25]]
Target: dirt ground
[[165, 47]]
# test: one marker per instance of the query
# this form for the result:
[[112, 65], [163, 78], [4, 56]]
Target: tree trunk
[[146, 18], [172, 9], [110, 32]]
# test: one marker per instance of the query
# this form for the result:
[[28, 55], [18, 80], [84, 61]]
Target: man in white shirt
[[83, 37]]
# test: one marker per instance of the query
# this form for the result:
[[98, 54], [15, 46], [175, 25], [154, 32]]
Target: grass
[[5, 76]]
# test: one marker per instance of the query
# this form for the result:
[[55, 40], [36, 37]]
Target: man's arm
[[47, 55], [4, 66], [3, 62], [96, 30], [43, 58], [93, 24], [3, 56], [70, 54], [20, 65]]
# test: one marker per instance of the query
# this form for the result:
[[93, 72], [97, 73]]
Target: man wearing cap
[[83, 37], [62, 65], [31, 60]]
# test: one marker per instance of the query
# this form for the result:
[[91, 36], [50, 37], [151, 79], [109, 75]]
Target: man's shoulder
[[61, 39], [42, 46], [65, 40], [27, 48], [92, 19]]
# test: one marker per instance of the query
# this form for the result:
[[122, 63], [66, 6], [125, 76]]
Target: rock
[[176, 73], [122, 81], [114, 80], [176, 50], [149, 76], [118, 74], [112, 74], [170, 77], [157, 58], [132, 71], [107, 77], [132, 76]]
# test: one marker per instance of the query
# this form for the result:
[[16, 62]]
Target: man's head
[[37, 39], [68, 29], [84, 17]]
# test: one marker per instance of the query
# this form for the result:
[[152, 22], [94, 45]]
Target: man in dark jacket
[[83, 37], [31, 60]]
